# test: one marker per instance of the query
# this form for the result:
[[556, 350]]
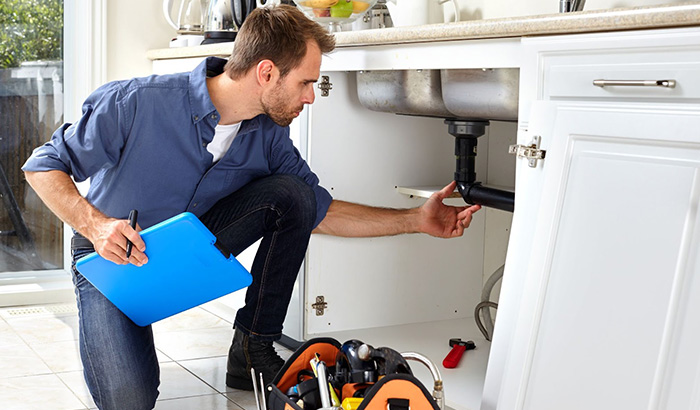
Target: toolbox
[[324, 374]]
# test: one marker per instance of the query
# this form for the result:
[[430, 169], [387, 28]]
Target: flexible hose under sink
[[486, 328], [438, 392]]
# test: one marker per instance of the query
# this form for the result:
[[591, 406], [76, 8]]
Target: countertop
[[633, 18]]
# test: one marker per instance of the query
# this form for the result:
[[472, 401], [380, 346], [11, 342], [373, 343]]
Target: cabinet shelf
[[423, 191], [464, 384], [427, 191]]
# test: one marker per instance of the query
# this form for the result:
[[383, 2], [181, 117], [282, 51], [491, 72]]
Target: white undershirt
[[223, 137]]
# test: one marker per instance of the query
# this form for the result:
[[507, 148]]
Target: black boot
[[246, 353]]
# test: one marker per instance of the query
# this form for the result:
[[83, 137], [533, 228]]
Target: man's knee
[[300, 196]]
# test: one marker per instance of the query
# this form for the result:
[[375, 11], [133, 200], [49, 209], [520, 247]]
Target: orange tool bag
[[359, 377]]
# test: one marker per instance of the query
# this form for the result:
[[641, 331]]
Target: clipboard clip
[[220, 246]]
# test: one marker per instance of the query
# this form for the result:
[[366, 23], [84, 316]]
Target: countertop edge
[[639, 18], [635, 18]]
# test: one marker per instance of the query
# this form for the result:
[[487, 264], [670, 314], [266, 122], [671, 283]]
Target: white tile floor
[[40, 366]]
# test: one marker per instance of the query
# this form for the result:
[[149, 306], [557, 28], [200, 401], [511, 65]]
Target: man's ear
[[266, 72]]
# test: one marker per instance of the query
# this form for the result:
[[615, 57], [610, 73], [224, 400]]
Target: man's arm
[[108, 235], [434, 218]]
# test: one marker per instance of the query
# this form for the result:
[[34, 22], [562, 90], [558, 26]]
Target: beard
[[275, 107]]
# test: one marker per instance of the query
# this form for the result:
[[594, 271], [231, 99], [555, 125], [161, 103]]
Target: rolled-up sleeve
[[93, 142], [286, 159]]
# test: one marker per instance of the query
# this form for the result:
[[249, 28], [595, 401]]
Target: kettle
[[190, 16], [219, 26], [241, 10]]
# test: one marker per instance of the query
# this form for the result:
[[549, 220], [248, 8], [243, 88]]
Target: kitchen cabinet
[[597, 304], [608, 316]]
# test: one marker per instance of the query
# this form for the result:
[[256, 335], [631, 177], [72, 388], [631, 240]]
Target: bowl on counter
[[333, 12]]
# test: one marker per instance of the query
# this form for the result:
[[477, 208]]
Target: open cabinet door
[[528, 193], [610, 310]]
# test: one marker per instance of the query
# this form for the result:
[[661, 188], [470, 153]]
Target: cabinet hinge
[[320, 305], [325, 85], [532, 152]]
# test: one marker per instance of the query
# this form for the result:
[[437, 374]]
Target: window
[[31, 108]]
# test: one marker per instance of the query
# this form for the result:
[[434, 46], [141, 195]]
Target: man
[[213, 142]]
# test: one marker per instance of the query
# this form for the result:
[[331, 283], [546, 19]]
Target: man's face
[[285, 100]]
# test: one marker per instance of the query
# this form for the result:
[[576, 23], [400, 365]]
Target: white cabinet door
[[610, 315]]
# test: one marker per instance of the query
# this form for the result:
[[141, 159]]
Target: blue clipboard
[[186, 267]]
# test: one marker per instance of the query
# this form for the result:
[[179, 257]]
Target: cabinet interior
[[408, 292]]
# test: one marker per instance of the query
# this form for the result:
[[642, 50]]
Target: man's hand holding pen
[[111, 237], [133, 215]]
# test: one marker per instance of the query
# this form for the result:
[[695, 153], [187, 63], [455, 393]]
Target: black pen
[[133, 214]]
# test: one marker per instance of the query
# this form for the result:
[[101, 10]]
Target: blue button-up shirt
[[143, 144]]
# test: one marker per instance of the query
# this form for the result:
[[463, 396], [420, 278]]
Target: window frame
[[84, 68]]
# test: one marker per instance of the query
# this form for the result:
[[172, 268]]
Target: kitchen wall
[[133, 27]]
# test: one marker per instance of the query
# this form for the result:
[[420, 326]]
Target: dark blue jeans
[[119, 357], [281, 210]]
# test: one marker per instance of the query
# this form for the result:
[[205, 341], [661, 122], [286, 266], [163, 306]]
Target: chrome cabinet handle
[[635, 83]]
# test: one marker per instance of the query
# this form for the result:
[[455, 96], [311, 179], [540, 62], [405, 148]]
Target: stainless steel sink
[[486, 94], [489, 94], [413, 92]]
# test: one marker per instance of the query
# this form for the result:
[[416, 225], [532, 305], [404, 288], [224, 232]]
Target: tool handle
[[452, 359]]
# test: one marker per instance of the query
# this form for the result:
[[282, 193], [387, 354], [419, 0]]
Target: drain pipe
[[466, 134]]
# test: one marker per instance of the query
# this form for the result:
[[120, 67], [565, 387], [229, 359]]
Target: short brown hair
[[276, 33]]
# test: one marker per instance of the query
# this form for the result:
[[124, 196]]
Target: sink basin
[[489, 94], [412, 92], [484, 94]]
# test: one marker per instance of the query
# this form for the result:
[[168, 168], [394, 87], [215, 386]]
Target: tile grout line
[[87, 406], [205, 382], [201, 395]]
